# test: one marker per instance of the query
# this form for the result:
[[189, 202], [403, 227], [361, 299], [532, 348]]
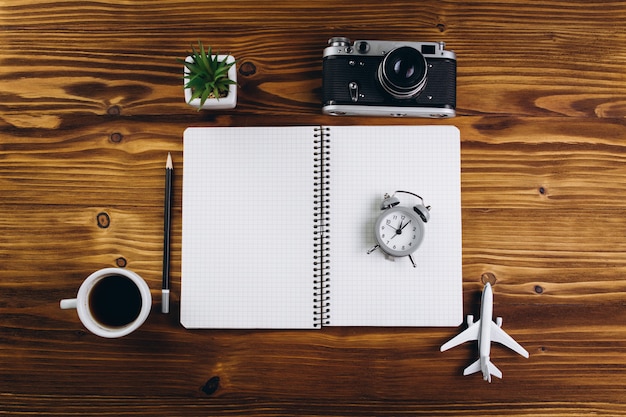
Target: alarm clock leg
[[372, 250]]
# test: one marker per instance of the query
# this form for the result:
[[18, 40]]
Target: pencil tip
[[169, 164]]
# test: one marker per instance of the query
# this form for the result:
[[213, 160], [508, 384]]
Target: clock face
[[399, 231]]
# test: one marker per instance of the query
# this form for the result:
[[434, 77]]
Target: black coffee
[[115, 301]]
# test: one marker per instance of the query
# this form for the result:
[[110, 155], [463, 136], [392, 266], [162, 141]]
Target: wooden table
[[91, 103]]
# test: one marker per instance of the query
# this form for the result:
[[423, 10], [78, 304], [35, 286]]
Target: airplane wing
[[471, 333], [500, 336]]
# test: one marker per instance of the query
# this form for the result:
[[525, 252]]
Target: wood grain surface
[[91, 103]]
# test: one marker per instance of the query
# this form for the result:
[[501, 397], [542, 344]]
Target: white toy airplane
[[485, 330]]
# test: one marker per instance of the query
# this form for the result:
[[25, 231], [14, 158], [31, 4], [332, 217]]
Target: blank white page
[[369, 290], [247, 246]]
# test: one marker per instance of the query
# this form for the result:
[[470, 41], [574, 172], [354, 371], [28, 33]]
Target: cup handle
[[69, 303]]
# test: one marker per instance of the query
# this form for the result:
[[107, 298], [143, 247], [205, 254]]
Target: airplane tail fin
[[488, 369]]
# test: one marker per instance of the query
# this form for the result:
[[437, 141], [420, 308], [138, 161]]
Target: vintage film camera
[[388, 78]]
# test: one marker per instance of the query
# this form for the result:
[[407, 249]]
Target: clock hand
[[399, 229]]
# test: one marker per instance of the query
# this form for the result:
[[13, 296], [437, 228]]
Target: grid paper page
[[247, 247], [369, 290]]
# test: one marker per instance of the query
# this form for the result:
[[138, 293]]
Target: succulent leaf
[[208, 76]]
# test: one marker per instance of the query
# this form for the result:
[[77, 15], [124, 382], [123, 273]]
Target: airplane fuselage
[[484, 341]]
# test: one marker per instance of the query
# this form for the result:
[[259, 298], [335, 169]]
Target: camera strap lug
[[354, 91]]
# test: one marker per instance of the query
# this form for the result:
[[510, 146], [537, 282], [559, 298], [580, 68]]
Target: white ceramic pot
[[228, 102]]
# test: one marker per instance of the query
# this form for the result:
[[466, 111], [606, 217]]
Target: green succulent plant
[[207, 76]]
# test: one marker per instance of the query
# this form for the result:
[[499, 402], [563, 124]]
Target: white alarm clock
[[399, 229]]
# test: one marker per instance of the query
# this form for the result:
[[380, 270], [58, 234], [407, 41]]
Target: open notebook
[[277, 222]]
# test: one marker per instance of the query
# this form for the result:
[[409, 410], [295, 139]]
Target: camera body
[[388, 78]]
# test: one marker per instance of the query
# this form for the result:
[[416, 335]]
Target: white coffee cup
[[112, 302]]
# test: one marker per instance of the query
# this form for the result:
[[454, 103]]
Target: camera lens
[[402, 73]]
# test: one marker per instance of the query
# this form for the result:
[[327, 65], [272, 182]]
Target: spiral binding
[[321, 227]]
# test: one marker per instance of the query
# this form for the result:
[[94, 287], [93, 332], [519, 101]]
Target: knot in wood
[[103, 220], [488, 277], [211, 385], [116, 137], [247, 69], [114, 111]]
